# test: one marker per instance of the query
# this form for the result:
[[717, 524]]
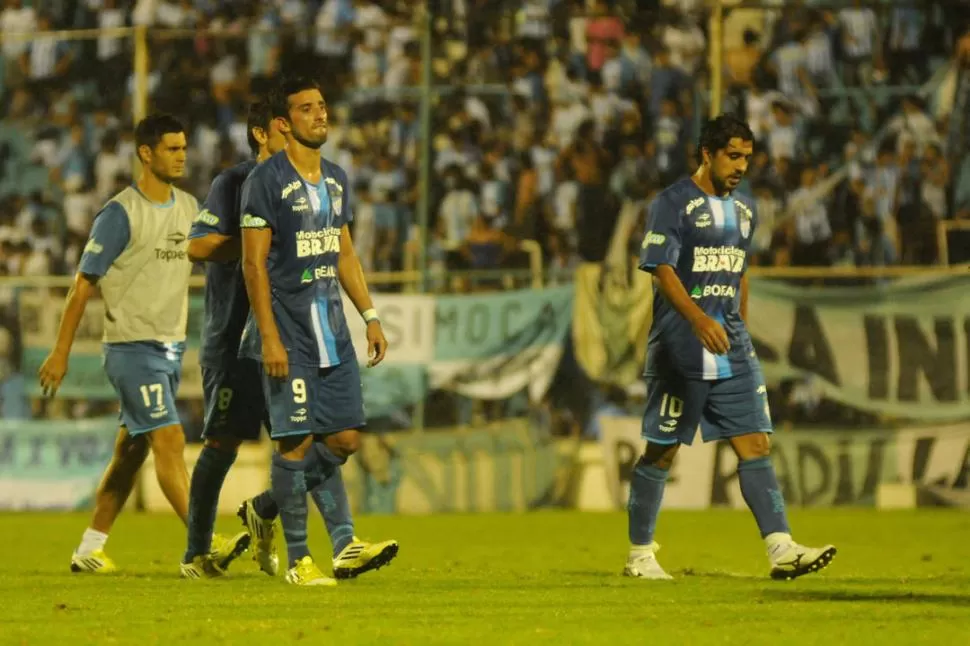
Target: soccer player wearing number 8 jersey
[[701, 365], [297, 251]]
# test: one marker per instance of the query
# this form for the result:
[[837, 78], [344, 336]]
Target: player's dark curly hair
[[717, 132], [151, 129], [287, 87], [260, 114]]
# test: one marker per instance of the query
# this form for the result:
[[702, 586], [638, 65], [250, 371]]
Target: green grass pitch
[[541, 578]]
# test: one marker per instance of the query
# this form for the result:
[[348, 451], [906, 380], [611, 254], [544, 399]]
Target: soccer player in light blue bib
[[701, 365], [136, 256]]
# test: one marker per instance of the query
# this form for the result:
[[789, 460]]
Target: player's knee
[[344, 444], [224, 444], [168, 441], [131, 448], [294, 447], [660, 456], [752, 446]]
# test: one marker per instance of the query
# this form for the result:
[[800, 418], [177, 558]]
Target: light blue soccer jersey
[[706, 240], [306, 220]]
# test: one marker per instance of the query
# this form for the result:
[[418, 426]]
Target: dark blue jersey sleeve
[[662, 242], [258, 201], [219, 212], [109, 237]]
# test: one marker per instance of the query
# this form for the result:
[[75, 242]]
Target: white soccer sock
[[91, 541], [641, 550]]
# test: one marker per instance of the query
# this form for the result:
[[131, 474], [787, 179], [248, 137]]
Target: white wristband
[[370, 315]]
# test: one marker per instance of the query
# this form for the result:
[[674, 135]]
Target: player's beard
[[720, 184], [165, 176], [314, 143]]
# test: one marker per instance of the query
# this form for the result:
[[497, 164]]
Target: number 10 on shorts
[[671, 406]]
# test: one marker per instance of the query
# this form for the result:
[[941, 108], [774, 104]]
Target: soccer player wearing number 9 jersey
[[297, 252], [701, 365]]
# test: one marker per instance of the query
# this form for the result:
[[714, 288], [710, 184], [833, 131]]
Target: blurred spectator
[[551, 115]]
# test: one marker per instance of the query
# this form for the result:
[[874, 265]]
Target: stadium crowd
[[549, 115]]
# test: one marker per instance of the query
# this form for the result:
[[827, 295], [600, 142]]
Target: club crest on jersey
[[746, 216], [336, 195]]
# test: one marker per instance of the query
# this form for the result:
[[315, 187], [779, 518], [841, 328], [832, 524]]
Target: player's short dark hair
[[260, 114], [287, 87], [151, 129], [718, 132]]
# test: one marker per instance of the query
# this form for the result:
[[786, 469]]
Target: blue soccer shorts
[[723, 408], [147, 383], [315, 401], [234, 403]]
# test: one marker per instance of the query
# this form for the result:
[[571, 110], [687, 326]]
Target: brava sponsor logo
[[729, 259], [316, 243]]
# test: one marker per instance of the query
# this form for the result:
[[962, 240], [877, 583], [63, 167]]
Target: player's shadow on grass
[[881, 596]]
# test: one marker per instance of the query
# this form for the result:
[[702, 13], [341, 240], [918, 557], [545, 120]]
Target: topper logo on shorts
[[729, 259], [298, 416], [289, 188]]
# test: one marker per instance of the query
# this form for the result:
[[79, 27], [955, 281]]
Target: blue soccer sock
[[289, 487], [264, 505], [330, 497], [207, 478], [646, 494], [759, 487]]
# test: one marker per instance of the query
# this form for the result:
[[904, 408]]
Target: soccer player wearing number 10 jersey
[[701, 365]]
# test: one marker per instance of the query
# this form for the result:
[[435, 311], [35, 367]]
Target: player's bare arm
[[255, 251], [709, 331], [54, 368], [351, 276], [215, 247]]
